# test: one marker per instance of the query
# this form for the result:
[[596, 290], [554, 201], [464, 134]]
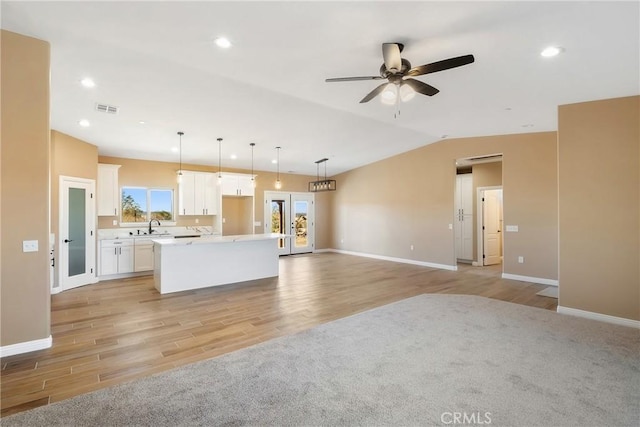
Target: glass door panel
[[278, 224], [300, 214], [77, 236]]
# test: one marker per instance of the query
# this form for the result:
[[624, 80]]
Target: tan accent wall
[[135, 172], [69, 157], [385, 207], [236, 215], [24, 170], [484, 175], [599, 207]]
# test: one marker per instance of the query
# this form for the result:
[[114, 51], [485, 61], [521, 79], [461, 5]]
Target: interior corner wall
[[599, 206], [385, 207], [24, 285]]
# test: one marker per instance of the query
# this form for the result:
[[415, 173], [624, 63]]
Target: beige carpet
[[427, 360]]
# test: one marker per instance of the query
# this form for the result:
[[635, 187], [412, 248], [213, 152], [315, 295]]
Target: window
[[145, 204]]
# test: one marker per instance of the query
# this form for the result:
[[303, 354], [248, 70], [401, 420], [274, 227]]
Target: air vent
[[104, 108]]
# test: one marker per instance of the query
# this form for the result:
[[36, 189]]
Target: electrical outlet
[[521, 260], [197, 220], [224, 220], [450, 226], [411, 247], [115, 222], [29, 246]]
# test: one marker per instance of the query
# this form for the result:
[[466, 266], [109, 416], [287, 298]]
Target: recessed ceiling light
[[142, 122], [550, 51], [274, 161], [84, 123], [87, 82], [223, 42], [175, 149], [233, 157]]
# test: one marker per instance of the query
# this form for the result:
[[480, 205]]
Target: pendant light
[[180, 170], [253, 179], [322, 184], [278, 182], [219, 160]]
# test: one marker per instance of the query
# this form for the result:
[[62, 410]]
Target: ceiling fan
[[399, 73]]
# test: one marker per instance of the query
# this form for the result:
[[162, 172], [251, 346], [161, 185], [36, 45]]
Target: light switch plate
[[257, 223], [29, 246], [513, 228]]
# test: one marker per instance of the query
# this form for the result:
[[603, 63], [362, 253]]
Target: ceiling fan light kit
[[399, 72], [322, 184]]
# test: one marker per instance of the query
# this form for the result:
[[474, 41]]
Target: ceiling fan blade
[[374, 93], [421, 87], [353, 79], [434, 67], [391, 55]]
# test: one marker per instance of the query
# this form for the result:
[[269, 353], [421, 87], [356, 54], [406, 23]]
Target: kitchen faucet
[[150, 222]]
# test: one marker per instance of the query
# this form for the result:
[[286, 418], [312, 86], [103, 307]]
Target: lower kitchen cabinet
[[143, 255], [116, 256]]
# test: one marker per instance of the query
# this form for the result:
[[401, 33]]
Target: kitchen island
[[194, 263]]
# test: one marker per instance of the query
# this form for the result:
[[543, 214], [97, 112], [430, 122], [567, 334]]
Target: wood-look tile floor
[[119, 330]]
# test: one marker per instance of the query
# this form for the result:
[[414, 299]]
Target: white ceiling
[[156, 61]]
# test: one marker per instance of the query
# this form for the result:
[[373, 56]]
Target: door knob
[[67, 240]]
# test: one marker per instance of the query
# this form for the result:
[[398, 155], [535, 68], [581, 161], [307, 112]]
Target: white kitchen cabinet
[[237, 185], [143, 255], [116, 256], [198, 194], [108, 193], [464, 217]]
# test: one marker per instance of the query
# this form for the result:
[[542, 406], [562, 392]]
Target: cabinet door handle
[[115, 211], [115, 251]]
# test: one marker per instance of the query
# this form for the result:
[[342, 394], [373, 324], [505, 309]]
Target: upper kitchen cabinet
[[108, 191], [235, 184], [198, 194]]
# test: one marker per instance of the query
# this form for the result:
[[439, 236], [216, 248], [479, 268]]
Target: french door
[[292, 214], [76, 240]]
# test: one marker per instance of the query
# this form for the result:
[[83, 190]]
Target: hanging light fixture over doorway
[[219, 161], [278, 182], [180, 170], [253, 178], [322, 184]]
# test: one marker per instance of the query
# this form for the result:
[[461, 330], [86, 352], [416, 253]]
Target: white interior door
[[77, 240], [492, 226], [292, 214]]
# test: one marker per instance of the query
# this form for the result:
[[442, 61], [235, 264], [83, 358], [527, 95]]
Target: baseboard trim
[[26, 347], [393, 259], [598, 316], [540, 280]]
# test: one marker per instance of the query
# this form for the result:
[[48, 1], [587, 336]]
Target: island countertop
[[211, 239]]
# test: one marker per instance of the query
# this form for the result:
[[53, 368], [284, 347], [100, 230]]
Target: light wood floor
[[119, 330]]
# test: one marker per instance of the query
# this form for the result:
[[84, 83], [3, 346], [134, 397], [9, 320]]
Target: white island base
[[194, 263]]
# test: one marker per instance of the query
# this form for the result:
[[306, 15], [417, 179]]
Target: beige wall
[[385, 207], [69, 157], [163, 174], [24, 170], [599, 190]]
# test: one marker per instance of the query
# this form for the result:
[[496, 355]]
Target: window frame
[[148, 191]]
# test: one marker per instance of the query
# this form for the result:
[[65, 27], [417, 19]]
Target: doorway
[[292, 214], [77, 240], [490, 225]]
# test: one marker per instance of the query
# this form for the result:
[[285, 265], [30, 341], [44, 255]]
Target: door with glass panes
[[291, 214]]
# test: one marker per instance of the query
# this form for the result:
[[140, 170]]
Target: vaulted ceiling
[[157, 62]]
